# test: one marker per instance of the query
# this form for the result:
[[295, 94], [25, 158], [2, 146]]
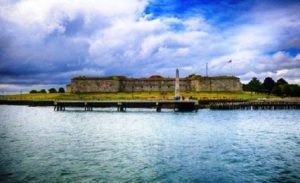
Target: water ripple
[[40, 145]]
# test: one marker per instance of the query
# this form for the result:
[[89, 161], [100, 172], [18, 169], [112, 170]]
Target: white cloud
[[103, 37]]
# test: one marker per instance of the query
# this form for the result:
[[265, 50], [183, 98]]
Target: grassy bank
[[136, 96]]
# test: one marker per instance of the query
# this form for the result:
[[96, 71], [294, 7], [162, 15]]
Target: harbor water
[[38, 144]]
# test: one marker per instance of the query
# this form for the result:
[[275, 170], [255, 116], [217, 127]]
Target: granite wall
[[216, 84], [94, 85], [87, 85], [152, 85]]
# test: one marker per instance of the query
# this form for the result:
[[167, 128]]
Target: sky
[[45, 43]]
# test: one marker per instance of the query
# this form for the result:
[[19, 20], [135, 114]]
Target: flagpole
[[230, 62], [206, 70]]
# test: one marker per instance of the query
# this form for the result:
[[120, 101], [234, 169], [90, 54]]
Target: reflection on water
[[38, 144]]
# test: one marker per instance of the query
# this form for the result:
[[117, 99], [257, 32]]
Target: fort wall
[[216, 84], [152, 85], [94, 85], [123, 84]]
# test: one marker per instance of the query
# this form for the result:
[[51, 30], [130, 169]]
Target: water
[[40, 145]]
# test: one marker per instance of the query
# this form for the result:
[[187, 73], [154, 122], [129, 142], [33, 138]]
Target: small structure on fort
[[192, 83]]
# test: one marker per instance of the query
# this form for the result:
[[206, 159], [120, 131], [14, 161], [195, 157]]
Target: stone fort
[[158, 83]]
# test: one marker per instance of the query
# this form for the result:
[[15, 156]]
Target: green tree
[[245, 87], [61, 90], [42, 91], [294, 90], [286, 90], [255, 85], [193, 76], [268, 84], [281, 81], [281, 88], [52, 90], [277, 90], [33, 91]]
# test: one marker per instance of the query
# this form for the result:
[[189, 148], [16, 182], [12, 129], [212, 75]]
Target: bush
[[254, 85], [52, 90], [286, 90], [33, 91], [268, 84], [42, 91], [245, 87], [61, 90], [280, 88], [294, 90], [281, 81], [277, 90]]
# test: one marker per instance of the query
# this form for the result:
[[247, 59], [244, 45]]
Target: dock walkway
[[177, 105], [122, 105]]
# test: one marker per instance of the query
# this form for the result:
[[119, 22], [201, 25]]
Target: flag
[[229, 61]]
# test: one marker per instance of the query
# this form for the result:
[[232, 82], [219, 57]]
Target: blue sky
[[46, 43]]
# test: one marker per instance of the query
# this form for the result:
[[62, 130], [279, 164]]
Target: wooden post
[[158, 107]]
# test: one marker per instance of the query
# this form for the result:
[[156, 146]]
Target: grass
[[136, 96]]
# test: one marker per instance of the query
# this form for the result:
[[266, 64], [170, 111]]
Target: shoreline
[[231, 104]]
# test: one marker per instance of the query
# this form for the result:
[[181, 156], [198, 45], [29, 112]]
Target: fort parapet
[[154, 83]]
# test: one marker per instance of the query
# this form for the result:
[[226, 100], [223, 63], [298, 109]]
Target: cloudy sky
[[44, 43]]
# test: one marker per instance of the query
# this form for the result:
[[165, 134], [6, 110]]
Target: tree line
[[279, 88], [51, 90]]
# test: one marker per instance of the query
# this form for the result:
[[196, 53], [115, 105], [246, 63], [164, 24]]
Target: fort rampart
[[153, 83]]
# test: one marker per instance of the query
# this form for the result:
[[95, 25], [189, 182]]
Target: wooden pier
[[158, 105], [121, 106]]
